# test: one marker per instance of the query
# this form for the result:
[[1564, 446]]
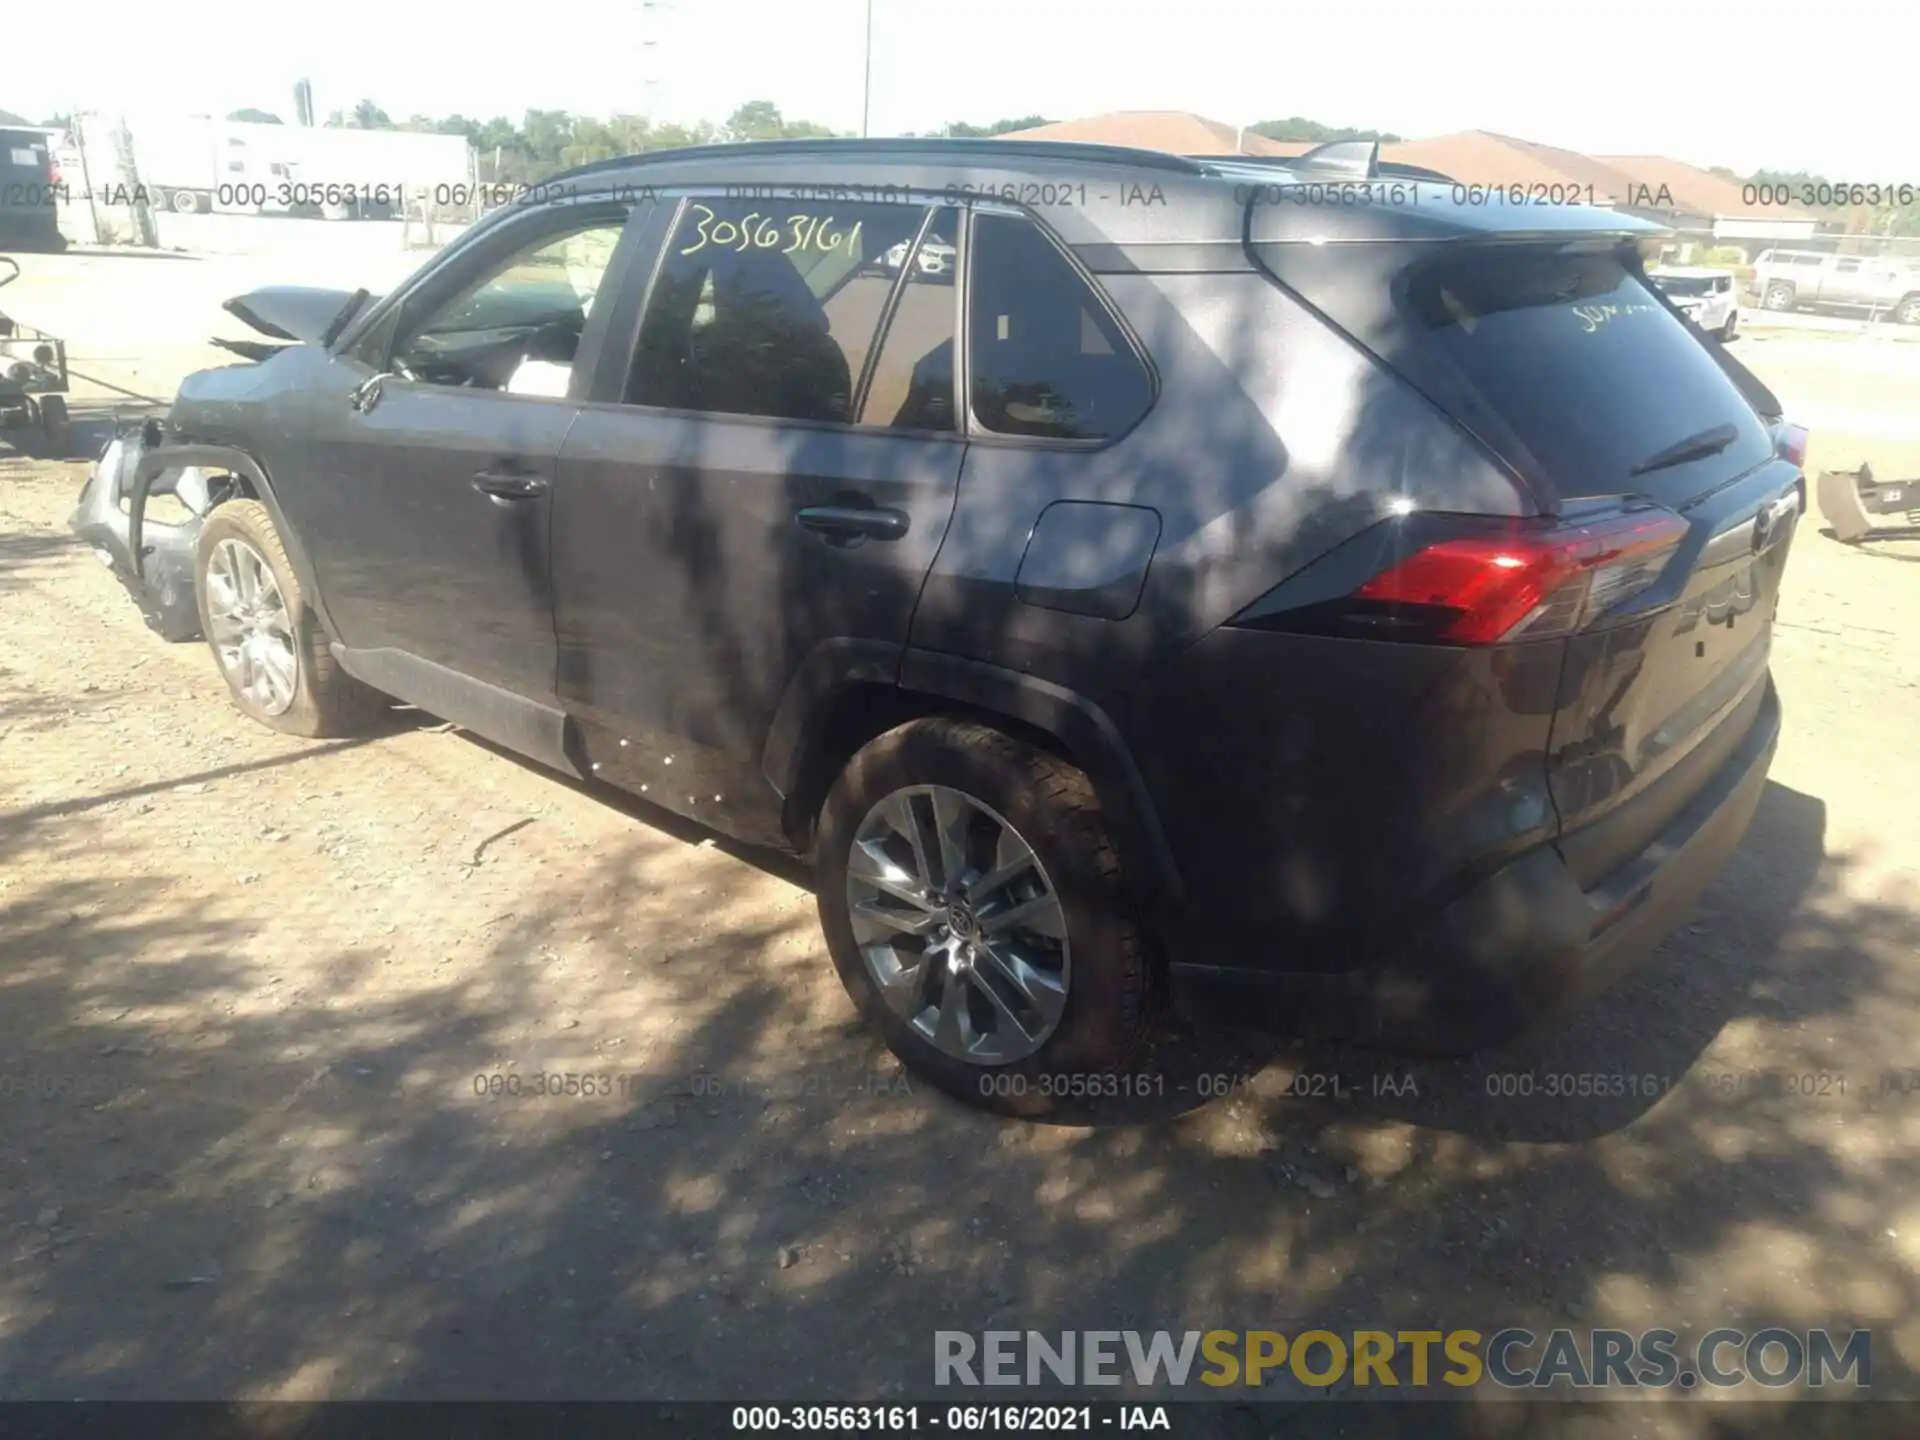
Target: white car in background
[[935, 259], [1709, 298]]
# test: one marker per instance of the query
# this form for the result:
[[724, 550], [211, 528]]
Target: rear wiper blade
[[1694, 447]]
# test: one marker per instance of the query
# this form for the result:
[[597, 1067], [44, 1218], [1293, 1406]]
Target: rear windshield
[[1584, 368], [1681, 286], [23, 155]]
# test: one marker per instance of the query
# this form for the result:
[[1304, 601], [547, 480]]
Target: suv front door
[[747, 508], [423, 466]]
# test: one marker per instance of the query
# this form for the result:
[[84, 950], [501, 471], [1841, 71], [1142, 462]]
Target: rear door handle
[[852, 522], [507, 485]]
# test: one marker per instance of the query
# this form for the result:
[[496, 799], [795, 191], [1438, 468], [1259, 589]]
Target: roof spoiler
[[1356, 159], [1359, 159]]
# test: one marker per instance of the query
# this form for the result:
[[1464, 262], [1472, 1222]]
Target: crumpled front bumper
[[162, 586]]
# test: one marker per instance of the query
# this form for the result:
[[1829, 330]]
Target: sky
[[1699, 82]]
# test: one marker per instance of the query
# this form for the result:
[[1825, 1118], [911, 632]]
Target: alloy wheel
[[959, 924], [251, 630]]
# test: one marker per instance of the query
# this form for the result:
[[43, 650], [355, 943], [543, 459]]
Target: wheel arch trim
[[1084, 731], [155, 459]]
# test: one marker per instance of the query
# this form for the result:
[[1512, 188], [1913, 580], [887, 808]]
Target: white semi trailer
[[196, 164]]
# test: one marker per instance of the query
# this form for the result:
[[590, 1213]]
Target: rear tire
[[319, 699], [1727, 330], [1907, 312], [1086, 958]]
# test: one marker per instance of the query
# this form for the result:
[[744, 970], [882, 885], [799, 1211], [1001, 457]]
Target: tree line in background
[[549, 140]]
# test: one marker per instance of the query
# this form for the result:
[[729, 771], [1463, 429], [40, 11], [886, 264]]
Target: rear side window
[[911, 386], [1045, 355], [24, 155], [769, 308], [1584, 368]]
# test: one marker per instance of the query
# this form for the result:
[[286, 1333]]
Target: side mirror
[[367, 394]]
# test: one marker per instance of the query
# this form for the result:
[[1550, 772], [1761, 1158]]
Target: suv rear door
[[746, 511], [1567, 364]]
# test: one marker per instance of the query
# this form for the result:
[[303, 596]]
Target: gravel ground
[[251, 988]]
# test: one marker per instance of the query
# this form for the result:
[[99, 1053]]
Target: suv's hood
[[295, 312]]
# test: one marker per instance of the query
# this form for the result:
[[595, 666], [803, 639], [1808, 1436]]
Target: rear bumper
[[1520, 948]]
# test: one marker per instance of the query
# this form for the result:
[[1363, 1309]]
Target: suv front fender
[[168, 457]]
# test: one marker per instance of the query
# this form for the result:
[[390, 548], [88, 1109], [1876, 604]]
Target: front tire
[[1727, 330], [269, 645], [973, 906], [1907, 312], [1777, 297]]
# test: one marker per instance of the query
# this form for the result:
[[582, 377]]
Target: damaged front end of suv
[[151, 549]]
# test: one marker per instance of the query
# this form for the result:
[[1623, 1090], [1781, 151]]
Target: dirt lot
[[250, 988]]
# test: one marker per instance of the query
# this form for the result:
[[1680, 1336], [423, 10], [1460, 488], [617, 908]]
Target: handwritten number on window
[[764, 232]]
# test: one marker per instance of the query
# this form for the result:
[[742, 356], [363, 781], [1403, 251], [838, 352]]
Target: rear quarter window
[[1046, 356]]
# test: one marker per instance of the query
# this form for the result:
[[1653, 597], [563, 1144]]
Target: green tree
[[256, 117], [762, 120], [961, 130], [369, 116], [755, 120]]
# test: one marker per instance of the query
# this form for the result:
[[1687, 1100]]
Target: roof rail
[[931, 147]]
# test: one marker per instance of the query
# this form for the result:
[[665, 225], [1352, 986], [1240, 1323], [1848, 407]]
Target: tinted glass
[[1585, 368], [24, 156], [768, 307], [1047, 358], [516, 327], [1678, 285], [912, 383]]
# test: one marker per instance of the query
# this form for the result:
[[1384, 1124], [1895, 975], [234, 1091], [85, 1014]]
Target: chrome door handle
[[508, 485]]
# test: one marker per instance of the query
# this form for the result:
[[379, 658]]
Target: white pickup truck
[[1801, 279]]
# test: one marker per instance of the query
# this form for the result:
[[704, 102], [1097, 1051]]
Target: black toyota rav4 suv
[[1293, 588]]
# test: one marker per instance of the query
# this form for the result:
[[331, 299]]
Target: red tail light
[[1790, 442], [1482, 589]]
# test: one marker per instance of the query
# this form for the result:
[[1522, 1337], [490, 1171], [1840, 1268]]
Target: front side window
[[1047, 358], [517, 327], [769, 308]]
